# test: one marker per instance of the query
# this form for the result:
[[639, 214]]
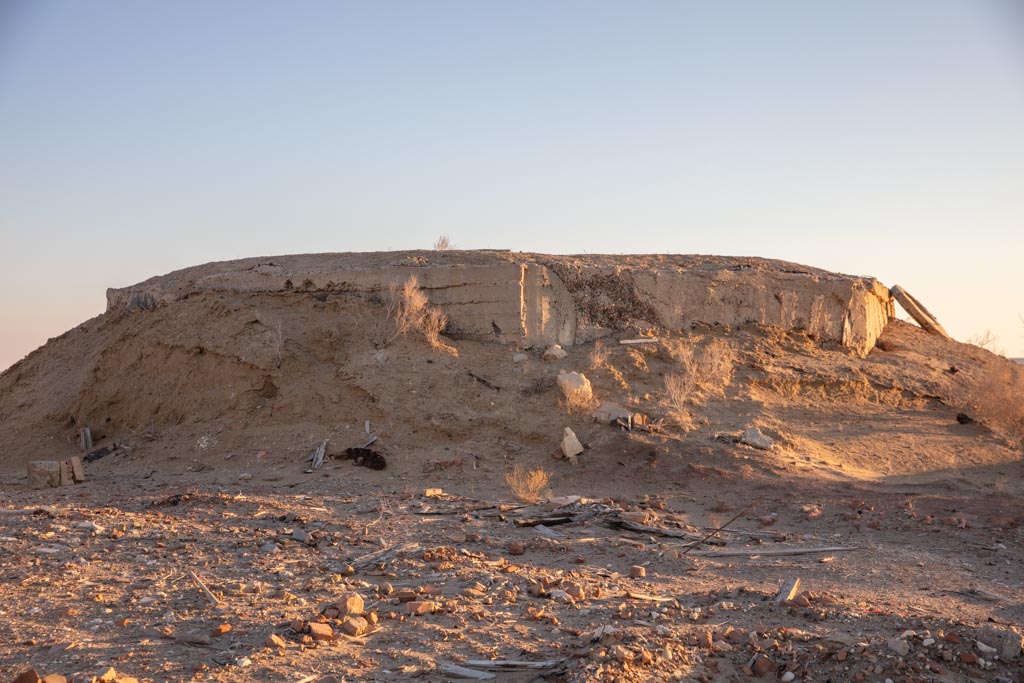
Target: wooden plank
[[774, 553], [77, 469]]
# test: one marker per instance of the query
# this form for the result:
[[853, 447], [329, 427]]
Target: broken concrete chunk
[[609, 411], [1008, 643], [918, 312], [349, 603], [571, 446], [555, 352], [754, 437], [575, 385], [44, 474]]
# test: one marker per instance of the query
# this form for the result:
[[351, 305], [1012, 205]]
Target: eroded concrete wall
[[536, 300]]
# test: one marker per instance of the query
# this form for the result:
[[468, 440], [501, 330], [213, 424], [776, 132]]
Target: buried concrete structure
[[536, 300]]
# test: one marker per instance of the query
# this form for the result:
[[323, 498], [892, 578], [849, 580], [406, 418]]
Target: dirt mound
[[889, 483], [259, 363]]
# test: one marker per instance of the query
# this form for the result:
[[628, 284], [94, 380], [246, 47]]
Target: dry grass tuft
[[701, 375], [579, 403], [599, 356], [527, 486], [677, 400]]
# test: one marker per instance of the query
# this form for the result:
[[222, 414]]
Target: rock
[[637, 572], [754, 437], [788, 677], [555, 352], [575, 385], [349, 603], [420, 607], [433, 493], [355, 626], [269, 548], [762, 665], [610, 412], [108, 674], [899, 646], [222, 629], [302, 536], [571, 446], [321, 631], [274, 640], [29, 676], [57, 678], [244, 476], [521, 358], [968, 658], [515, 547], [44, 474], [574, 590], [1008, 643], [985, 649]]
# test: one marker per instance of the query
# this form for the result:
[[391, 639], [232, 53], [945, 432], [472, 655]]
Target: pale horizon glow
[[870, 138]]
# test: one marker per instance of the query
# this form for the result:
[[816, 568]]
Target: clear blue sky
[[874, 137]]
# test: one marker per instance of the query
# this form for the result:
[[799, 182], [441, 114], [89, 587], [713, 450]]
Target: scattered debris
[[365, 457], [317, 456]]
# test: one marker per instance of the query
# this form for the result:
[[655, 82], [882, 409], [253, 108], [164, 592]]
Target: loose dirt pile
[[901, 521]]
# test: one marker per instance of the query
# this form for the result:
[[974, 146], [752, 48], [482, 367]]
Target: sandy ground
[[907, 521]]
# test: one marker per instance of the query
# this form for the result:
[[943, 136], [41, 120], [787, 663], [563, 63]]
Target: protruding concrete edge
[[521, 299]]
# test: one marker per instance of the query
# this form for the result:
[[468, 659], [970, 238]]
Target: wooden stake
[[209, 594]]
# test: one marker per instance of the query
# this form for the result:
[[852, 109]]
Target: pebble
[[788, 677]]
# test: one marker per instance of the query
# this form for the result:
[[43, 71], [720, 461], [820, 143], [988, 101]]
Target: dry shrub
[[677, 400], [996, 399], [406, 309], [443, 243], [527, 486], [988, 341], [600, 359], [703, 374]]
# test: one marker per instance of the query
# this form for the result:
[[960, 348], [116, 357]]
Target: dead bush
[[679, 390], [704, 374], [443, 243], [406, 309], [995, 397], [527, 485]]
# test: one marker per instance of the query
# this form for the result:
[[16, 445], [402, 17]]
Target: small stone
[[515, 547], [321, 631], [349, 603], [899, 646], [302, 536], [555, 352], [762, 665], [637, 572], [571, 446], [222, 629], [420, 607], [245, 476], [274, 640], [520, 358], [754, 437], [355, 626], [968, 658], [29, 676], [985, 649], [951, 638], [108, 674], [433, 493], [574, 590], [928, 642], [788, 677], [269, 548], [57, 678]]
